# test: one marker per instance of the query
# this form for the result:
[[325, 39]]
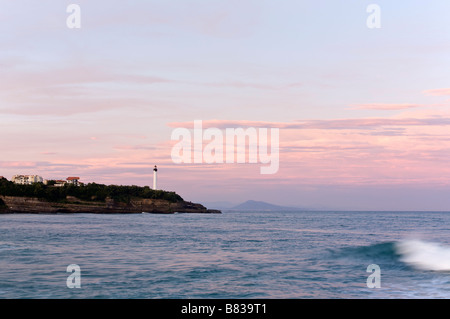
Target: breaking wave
[[414, 253], [424, 255]]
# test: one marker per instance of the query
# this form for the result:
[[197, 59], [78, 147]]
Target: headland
[[38, 198]]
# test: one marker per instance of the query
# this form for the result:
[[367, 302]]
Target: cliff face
[[74, 205]]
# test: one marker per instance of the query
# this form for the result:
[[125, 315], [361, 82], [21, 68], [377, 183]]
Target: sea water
[[232, 255]]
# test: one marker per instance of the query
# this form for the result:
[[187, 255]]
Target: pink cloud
[[385, 106], [438, 92], [135, 147], [72, 90], [391, 150], [244, 85], [319, 124], [17, 164]]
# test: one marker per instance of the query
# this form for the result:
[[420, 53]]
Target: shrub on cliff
[[89, 192], [2, 204]]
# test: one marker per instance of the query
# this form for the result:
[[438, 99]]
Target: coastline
[[73, 205]]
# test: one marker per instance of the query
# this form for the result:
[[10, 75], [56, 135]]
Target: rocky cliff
[[14, 205]]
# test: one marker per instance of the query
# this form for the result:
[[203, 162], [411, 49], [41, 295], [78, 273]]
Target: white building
[[73, 181], [61, 183], [27, 179]]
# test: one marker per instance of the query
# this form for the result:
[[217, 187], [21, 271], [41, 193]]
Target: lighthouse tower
[[155, 172]]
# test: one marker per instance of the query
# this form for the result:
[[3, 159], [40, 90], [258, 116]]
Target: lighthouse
[[155, 172]]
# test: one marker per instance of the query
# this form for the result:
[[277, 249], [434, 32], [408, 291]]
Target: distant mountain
[[258, 205]]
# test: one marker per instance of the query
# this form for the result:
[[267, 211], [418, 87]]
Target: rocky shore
[[72, 205]]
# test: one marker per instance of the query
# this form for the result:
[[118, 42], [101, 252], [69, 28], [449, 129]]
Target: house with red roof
[[73, 181]]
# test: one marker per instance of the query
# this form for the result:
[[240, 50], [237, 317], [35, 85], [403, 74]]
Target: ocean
[[236, 255]]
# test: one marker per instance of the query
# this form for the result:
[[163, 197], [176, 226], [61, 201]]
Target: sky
[[363, 113]]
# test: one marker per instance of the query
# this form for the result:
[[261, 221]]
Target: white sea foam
[[424, 255]]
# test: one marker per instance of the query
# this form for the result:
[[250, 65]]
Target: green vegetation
[[89, 192]]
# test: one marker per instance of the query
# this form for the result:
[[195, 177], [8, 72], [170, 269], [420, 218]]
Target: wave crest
[[424, 255]]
